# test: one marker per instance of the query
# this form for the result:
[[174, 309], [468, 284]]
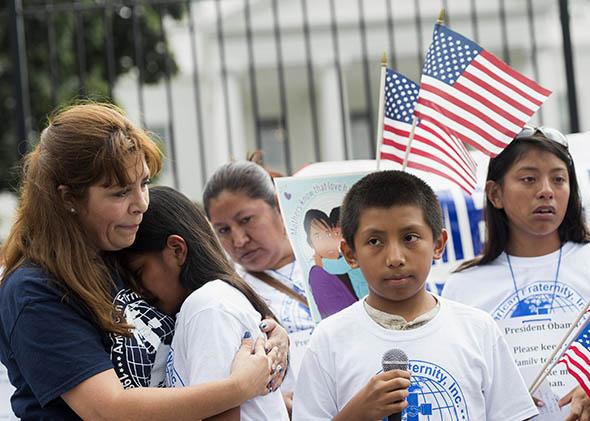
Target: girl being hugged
[[537, 249], [180, 262]]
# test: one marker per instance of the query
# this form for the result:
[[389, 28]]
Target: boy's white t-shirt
[[209, 328], [461, 367], [491, 288]]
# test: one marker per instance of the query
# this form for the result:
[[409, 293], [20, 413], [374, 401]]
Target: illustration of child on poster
[[333, 283], [311, 210]]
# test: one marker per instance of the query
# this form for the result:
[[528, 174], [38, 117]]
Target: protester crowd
[[121, 301], [110, 287]]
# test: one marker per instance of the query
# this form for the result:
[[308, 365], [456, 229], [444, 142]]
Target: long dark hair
[[572, 228], [172, 213]]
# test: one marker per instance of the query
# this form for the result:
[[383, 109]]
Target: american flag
[[473, 95], [577, 357], [432, 151]]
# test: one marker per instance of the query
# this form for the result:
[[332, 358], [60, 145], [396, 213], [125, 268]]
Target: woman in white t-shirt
[[180, 263], [241, 203], [537, 249]]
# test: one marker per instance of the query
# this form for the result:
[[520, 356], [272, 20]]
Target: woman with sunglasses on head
[[536, 251], [64, 326]]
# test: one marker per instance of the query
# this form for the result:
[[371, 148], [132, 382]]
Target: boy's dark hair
[[172, 213], [315, 215], [385, 189]]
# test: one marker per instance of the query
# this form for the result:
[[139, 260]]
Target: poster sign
[[532, 340], [310, 207]]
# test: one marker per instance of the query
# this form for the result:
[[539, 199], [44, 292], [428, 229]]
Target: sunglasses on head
[[551, 134]]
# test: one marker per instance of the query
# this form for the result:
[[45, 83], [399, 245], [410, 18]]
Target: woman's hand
[[251, 369], [580, 408], [277, 346]]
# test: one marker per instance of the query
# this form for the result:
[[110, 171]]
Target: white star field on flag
[[474, 96], [400, 97], [432, 151], [449, 56]]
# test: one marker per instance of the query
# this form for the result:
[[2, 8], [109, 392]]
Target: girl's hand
[[580, 409], [277, 347], [538, 402], [251, 369]]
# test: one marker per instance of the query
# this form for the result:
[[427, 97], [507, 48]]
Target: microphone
[[394, 359]]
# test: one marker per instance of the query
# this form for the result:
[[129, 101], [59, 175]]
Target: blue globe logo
[[542, 304], [434, 395], [540, 298]]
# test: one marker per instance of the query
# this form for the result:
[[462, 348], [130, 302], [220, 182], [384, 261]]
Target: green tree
[[45, 20]]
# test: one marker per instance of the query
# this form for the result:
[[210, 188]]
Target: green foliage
[[61, 22]]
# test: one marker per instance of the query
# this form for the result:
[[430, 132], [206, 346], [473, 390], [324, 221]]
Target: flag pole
[[441, 16], [381, 109], [440, 21], [409, 146], [546, 369]]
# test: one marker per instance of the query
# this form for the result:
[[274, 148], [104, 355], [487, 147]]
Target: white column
[[332, 130], [217, 138]]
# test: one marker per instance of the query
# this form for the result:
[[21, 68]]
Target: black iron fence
[[273, 53]]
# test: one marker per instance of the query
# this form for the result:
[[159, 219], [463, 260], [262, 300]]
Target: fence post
[[20, 73], [568, 57]]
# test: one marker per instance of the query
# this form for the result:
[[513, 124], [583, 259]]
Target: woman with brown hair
[[64, 326]]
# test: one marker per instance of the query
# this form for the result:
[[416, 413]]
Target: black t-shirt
[[49, 345]]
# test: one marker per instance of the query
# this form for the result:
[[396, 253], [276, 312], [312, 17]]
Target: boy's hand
[[383, 395]]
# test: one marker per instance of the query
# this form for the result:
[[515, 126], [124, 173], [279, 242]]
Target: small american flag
[[432, 150], [474, 95], [577, 357]]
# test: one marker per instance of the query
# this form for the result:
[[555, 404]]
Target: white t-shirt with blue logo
[[209, 329], [461, 367], [491, 287]]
